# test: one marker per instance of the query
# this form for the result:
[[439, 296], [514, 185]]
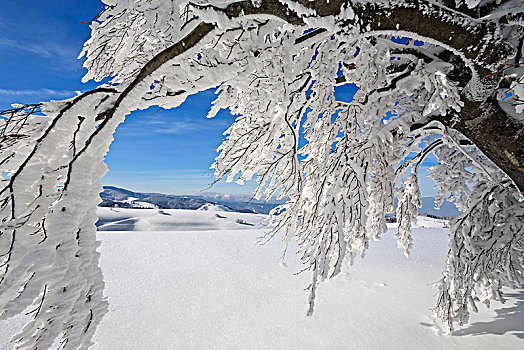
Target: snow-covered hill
[[122, 198], [119, 197], [174, 220]]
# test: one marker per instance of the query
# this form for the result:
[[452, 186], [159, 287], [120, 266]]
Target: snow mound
[[113, 219], [214, 207], [425, 222]]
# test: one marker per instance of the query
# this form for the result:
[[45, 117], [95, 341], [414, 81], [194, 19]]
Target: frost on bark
[[454, 90]]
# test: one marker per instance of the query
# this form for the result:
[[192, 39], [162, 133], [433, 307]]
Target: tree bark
[[497, 135]]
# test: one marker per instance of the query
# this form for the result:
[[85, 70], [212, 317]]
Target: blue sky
[[154, 151], [166, 151]]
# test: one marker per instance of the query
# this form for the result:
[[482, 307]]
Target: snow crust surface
[[181, 279]]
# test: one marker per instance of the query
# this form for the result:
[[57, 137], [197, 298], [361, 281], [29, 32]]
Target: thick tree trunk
[[497, 135]]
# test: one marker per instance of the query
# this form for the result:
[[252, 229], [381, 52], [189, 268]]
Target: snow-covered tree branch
[[340, 164]]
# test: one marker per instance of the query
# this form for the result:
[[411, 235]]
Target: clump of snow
[[517, 87]]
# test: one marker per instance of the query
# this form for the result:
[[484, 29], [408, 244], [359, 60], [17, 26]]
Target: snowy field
[[181, 279]]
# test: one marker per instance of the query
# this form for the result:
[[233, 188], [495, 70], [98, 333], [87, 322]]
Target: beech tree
[[455, 89]]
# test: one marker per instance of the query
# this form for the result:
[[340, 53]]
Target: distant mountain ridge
[[115, 196]]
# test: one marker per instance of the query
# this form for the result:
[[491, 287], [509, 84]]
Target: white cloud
[[173, 125], [37, 92], [42, 49], [178, 127]]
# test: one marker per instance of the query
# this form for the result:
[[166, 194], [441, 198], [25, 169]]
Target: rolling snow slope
[[182, 279]]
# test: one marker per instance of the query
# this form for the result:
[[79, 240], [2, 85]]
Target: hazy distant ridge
[[114, 196]]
